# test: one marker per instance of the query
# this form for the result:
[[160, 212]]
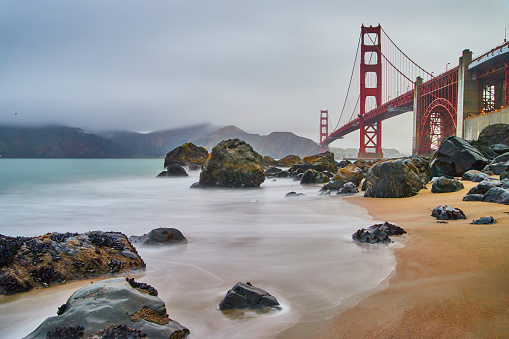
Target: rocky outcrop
[[445, 185], [484, 221], [289, 161], [174, 171], [445, 212], [312, 176], [160, 236], [393, 179], [56, 258], [185, 155], [454, 157], [322, 162], [112, 308], [246, 296], [232, 163]]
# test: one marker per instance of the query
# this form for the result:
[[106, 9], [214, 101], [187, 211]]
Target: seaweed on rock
[[142, 286]]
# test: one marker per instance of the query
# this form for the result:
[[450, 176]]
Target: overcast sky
[[264, 65]]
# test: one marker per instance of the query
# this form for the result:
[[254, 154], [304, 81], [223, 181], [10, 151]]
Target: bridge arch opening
[[439, 121]]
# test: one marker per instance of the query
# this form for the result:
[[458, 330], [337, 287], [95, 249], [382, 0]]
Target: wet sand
[[451, 279]]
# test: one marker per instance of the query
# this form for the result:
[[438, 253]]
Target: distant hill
[[276, 144], [56, 142]]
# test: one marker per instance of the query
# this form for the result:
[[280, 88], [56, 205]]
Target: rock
[[160, 236], [247, 296], [332, 186], [174, 171], [454, 157], [484, 221], [186, 154], [388, 228], [495, 134], [293, 194], [473, 197], [268, 161], [274, 172], [194, 167], [112, 308], [504, 175], [480, 176], [350, 173], [483, 187], [289, 161], [312, 176], [56, 258], [343, 163], [374, 236], [444, 185], [497, 195], [364, 165], [322, 162], [500, 148], [393, 179], [232, 163], [348, 188], [499, 164], [469, 174], [445, 212]]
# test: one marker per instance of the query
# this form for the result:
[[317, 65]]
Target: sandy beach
[[451, 279]]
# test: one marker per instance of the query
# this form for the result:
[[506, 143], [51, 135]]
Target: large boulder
[[393, 179], [247, 296], [185, 155], [322, 162], [160, 236], [350, 173], [500, 148], [454, 157], [268, 161], [364, 165], [499, 164], [56, 258], [112, 308], [445, 185], [232, 163], [289, 161], [483, 187], [312, 176], [422, 165], [497, 195], [495, 134], [469, 174]]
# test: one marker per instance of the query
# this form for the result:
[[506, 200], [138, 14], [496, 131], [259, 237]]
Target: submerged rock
[[112, 308], [160, 236], [232, 163], [174, 171], [293, 194], [484, 221], [374, 236], [348, 188], [247, 296], [57, 258], [445, 212]]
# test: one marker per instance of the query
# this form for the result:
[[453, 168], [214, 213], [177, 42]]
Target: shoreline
[[450, 279]]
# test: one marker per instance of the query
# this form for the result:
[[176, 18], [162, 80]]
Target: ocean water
[[298, 249]]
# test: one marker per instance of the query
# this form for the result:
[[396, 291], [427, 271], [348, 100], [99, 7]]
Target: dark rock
[[173, 171], [504, 175], [312, 176], [499, 164], [57, 258], [348, 188], [444, 185], [247, 296], [375, 236], [484, 221], [483, 187], [297, 170], [445, 212], [454, 157], [473, 197], [469, 174], [500, 148], [289, 161], [423, 168], [160, 236], [497, 195], [274, 172], [478, 177], [495, 134], [185, 155], [194, 167], [232, 163], [322, 161], [364, 165], [268, 161], [388, 228], [393, 179], [111, 308], [343, 163], [332, 186], [293, 194]]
